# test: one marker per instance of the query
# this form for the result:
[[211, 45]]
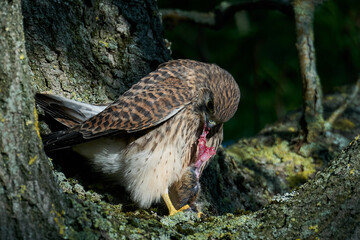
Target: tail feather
[[61, 140], [68, 112]]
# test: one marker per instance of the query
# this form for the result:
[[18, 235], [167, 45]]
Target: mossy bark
[[30, 201]]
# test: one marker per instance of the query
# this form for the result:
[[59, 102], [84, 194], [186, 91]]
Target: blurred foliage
[[258, 48]]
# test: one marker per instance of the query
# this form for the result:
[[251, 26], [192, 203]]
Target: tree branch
[[312, 92], [225, 11], [331, 120]]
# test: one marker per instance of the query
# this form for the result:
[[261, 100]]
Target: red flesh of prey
[[205, 153]]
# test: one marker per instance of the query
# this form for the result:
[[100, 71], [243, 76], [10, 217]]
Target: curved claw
[[181, 209], [171, 207]]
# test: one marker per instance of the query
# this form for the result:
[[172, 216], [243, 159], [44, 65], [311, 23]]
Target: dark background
[[258, 48]]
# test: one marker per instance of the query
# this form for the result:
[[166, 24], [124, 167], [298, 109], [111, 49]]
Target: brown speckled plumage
[[148, 137]]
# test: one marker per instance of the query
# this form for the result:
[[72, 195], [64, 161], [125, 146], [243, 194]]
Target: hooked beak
[[209, 123]]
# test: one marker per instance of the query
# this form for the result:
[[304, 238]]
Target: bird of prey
[[165, 127]]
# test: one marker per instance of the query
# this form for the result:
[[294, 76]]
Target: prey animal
[[164, 127]]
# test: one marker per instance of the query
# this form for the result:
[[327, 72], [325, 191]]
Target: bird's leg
[[170, 206]]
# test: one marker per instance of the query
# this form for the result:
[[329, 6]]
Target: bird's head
[[216, 91], [219, 98]]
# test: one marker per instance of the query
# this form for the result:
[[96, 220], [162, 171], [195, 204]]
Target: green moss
[[344, 124], [296, 180], [97, 219], [278, 158]]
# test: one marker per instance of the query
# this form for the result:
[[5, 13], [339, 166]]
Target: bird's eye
[[210, 105]]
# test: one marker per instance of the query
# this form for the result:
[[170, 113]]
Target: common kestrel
[[168, 124]]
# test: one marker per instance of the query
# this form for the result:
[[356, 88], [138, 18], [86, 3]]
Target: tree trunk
[[92, 51], [31, 205]]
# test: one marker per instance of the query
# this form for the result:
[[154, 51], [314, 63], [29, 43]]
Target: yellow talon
[[171, 207], [184, 208]]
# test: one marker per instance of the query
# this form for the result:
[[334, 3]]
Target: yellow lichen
[[292, 129], [21, 192], [36, 117], [22, 57], [32, 160], [315, 228], [355, 140], [59, 220], [2, 119], [104, 43], [22, 189]]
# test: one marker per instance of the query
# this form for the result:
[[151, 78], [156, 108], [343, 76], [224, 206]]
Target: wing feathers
[[153, 100], [140, 108], [66, 111]]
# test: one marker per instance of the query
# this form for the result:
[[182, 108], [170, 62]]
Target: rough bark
[[87, 50], [30, 201], [92, 50]]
